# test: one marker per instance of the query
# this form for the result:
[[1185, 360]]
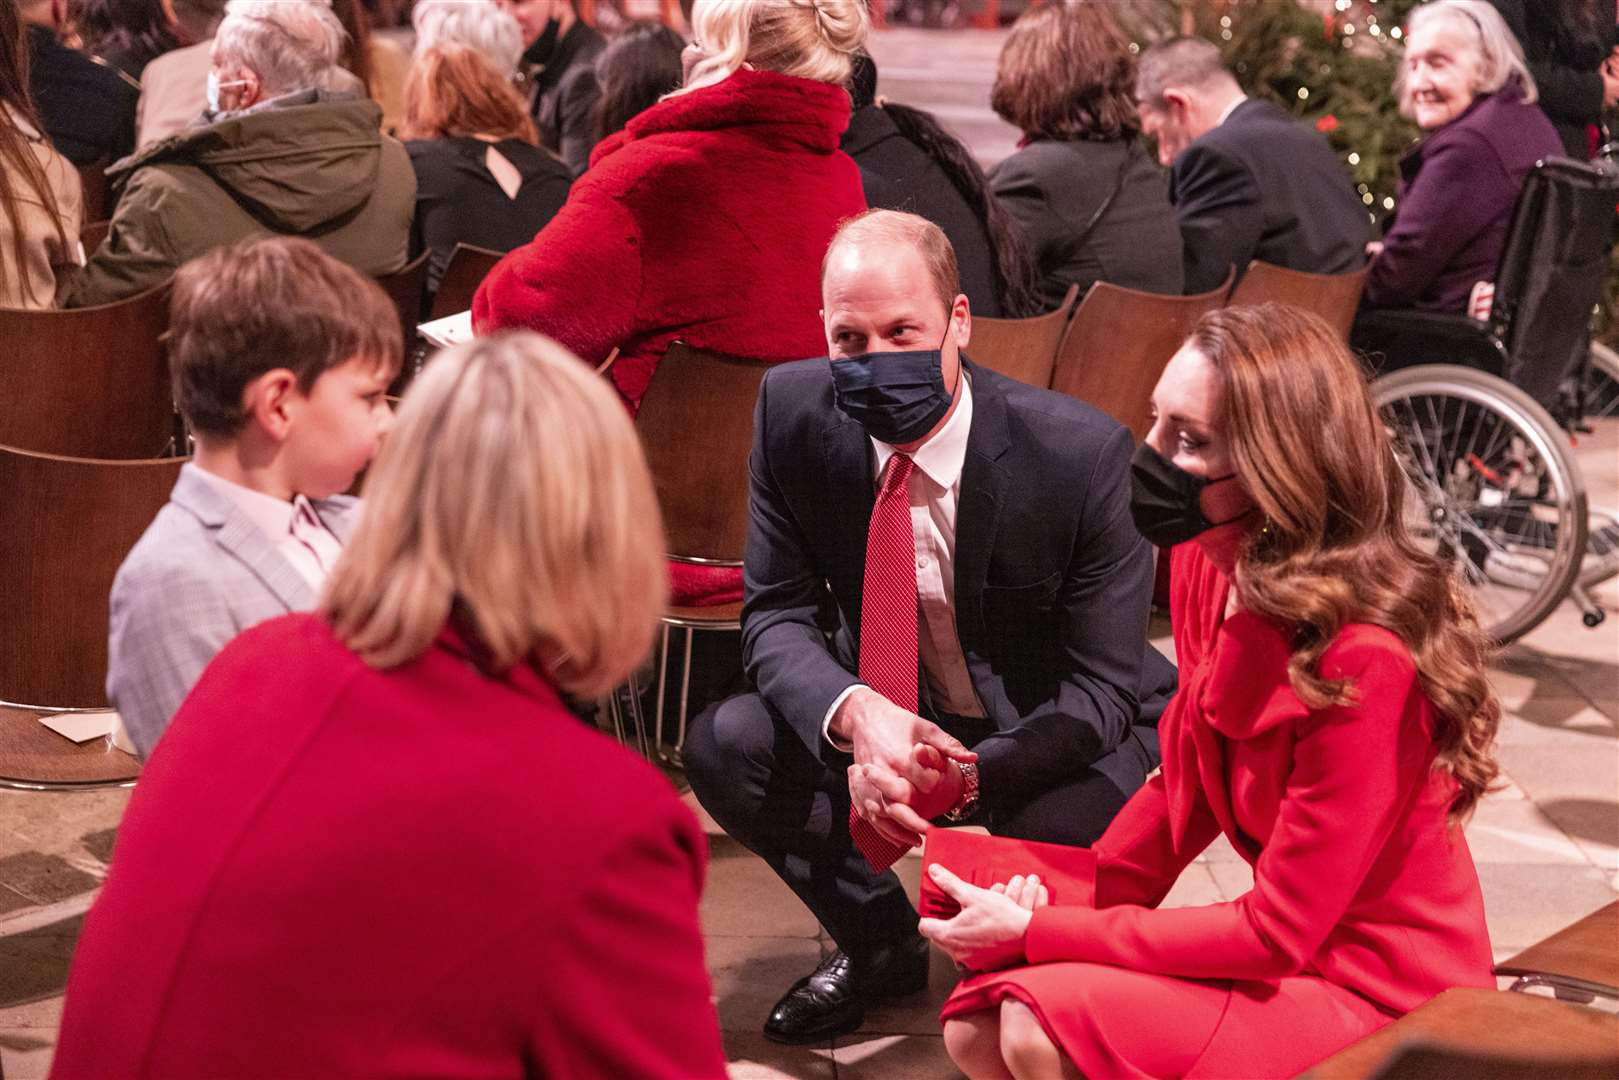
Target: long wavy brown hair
[[1314, 455]]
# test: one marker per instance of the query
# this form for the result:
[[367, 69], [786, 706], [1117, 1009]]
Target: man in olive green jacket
[[281, 155]]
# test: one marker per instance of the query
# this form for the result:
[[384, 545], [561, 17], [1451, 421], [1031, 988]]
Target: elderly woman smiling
[[1465, 83]]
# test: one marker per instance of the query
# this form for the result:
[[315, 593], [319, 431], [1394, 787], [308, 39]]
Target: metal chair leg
[[663, 678], [685, 691], [637, 715], [615, 715]]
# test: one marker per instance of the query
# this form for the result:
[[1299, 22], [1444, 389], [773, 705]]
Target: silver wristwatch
[[968, 806]]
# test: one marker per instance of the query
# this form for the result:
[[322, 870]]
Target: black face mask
[[1165, 499], [896, 396]]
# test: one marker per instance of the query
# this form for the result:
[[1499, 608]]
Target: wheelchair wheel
[[1601, 394], [1493, 489]]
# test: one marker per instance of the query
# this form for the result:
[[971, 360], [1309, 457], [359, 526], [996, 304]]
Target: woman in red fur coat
[[705, 220]]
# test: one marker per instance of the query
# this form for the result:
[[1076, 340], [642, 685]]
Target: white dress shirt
[[935, 491], [293, 528], [1225, 114]]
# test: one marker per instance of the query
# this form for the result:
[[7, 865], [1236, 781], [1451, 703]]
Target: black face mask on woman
[[1165, 499], [896, 396]]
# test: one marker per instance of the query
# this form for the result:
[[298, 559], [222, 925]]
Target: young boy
[[281, 357]]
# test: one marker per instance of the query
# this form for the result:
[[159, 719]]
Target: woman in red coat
[[1334, 722], [374, 842], [705, 220]]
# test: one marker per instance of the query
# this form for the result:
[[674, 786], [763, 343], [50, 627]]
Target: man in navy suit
[[1031, 596], [1247, 180]]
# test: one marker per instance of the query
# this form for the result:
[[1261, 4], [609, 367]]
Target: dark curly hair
[[1066, 73]]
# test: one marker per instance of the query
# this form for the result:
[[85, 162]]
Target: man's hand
[[937, 780], [884, 737], [988, 931]]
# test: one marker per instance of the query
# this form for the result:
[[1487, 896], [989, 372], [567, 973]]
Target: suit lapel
[[237, 535], [983, 488], [851, 494]]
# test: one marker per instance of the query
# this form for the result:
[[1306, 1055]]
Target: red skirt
[[1115, 1023]]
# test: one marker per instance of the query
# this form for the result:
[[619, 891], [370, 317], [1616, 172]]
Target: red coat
[[705, 220], [333, 871], [1360, 883]]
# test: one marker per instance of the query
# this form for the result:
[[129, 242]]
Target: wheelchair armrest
[[1390, 340]]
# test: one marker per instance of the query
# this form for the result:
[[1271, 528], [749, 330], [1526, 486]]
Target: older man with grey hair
[[290, 145], [1247, 180]]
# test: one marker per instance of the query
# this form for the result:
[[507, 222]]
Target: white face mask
[[215, 86]]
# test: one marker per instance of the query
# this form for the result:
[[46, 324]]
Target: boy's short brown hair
[[266, 303]]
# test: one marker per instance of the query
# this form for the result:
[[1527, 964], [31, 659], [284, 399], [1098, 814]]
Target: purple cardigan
[[1457, 190]]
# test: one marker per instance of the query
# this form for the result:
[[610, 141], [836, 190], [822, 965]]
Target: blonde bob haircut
[[1497, 57], [812, 39], [512, 489]]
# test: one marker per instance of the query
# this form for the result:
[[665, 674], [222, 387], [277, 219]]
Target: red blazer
[[705, 220], [331, 870], [1358, 878]]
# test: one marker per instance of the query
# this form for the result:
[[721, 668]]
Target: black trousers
[[790, 806]]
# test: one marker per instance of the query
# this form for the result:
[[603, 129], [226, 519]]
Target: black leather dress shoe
[[832, 1000]]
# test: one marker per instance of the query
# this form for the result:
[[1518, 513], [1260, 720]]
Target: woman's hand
[[988, 931]]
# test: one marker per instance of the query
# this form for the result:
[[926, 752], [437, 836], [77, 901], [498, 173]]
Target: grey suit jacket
[[201, 574]]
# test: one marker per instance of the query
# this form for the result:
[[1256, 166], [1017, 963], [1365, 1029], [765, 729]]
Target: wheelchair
[[1484, 412]]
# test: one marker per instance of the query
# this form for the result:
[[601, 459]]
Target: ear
[[252, 91], [1177, 103], [270, 401], [961, 312]]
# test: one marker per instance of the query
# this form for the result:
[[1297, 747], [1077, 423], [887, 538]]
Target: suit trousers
[[790, 805]]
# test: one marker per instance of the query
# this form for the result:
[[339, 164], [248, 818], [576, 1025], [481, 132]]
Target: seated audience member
[[1464, 82], [380, 64], [705, 219], [634, 72], [280, 154], [39, 189], [480, 178], [1247, 180], [124, 35], [559, 59], [174, 86], [1092, 202], [909, 162], [88, 109], [483, 26], [1334, 723], [255, 923], [281, 356], [961, 524], [1572, 49]]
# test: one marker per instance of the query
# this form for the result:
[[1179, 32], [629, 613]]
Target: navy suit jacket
[[1264, 186], [1052, 581]]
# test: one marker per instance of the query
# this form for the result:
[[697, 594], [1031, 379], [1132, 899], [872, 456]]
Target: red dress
[[329, 871], [705, 221], [1365, 902]]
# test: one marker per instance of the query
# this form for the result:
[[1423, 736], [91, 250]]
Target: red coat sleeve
[[1136, 859], [630, 995], [1354, 770], [579, 281]]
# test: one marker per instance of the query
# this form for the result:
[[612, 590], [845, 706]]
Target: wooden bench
[[1579, 962], [1520, 1031]]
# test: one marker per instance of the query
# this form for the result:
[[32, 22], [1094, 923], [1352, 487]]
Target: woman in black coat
[[1092, 201], [1571, 47]]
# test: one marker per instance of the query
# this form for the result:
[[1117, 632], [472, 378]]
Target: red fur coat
[[705, 221]]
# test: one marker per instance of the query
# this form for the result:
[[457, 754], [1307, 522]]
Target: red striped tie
[[888, 623]]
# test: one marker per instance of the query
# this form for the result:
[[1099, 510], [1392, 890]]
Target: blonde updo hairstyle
[[810, 39]]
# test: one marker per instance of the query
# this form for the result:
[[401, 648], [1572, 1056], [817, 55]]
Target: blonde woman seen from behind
[[379, 826]]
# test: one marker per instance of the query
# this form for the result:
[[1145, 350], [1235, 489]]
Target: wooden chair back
[[92, 234], [467, 268], [97, 193], [407, 288], [1118, 344], [1023, 349], [1585, 955], [88, 382], [696, 426], [1334, 297], [66, 524]]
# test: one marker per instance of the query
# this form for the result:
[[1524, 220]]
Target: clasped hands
[[906, 769]]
